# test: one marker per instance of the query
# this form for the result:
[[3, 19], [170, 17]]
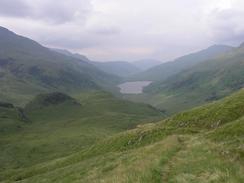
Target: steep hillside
[[12, 118], [165, 70], [201, 145], [204, 82], [61, 125], [27, 68]]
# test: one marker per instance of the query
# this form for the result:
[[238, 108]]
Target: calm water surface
[[135, 87]]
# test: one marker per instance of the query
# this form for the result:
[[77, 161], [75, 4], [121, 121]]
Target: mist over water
[[135, 87]]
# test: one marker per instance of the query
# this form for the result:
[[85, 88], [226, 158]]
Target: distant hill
[[27, 68], [61, 125], [205, 81], [119, 68], [165, 70], [146, 63], [50, 99], [68, 53]]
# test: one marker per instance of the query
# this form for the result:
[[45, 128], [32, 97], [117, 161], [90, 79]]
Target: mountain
[[68, 53], [27, 68], [206, 81], [50, 99], [119, 68], [69, 129], [146, 63], [60, 125], [204, 144], [165, 70]]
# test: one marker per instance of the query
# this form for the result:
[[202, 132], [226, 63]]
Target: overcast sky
[[127, 29]]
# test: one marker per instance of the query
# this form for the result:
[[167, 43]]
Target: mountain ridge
[[207, 81], [145, 64], [120, 68], [167, 69], [28, 68]]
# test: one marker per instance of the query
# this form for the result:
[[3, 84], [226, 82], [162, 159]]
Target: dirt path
[[199, 161], [168, 167]]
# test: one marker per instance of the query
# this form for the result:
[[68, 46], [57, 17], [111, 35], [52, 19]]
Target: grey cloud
[[78, 43], [226, 26], [107, 31], [69, 40], [14, 8], [62, 11], [49, 11], [121, 29]]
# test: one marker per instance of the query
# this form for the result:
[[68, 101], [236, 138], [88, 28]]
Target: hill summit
[[54, 98], [51, 99]]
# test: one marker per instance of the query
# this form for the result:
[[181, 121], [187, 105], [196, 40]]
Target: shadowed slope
[[27, 68]]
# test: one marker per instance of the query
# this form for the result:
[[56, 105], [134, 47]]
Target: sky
[[112, 30]]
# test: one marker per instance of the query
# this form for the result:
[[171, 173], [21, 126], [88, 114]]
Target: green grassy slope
[[61, 125], [204, 82], [201, 145], [165, 70], [11, 118], [27, 68]]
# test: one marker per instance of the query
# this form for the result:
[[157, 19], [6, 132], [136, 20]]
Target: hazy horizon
[[106, 30]]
